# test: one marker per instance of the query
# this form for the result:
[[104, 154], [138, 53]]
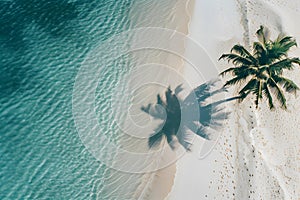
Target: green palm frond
[[229, 70], [240, 71], [235, 80], [282, 38], [257, 91], [259, 50], [287, 63], [268, 95], [278, 93], [287, 84], [246, 70], [236, 59], [249, 86], [239, 49], [263, 34], [286, 41], [280, 47]]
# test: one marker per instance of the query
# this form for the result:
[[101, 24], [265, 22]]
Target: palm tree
[[263, 68]]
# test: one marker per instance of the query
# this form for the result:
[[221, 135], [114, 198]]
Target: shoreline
[[157, 185], [149, 67], [162, 181]]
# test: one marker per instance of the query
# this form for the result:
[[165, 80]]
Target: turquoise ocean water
[[42, 45]]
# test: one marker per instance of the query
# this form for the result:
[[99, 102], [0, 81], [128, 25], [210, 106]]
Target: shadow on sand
[[209, 116]]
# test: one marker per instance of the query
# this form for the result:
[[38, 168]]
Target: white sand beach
[[257, 152]]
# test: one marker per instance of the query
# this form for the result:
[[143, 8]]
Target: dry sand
[[257, 154]]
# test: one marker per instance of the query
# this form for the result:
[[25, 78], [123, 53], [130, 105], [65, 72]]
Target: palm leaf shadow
[[211, 115]]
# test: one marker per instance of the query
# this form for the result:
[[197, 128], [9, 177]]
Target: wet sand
[[165, 69]]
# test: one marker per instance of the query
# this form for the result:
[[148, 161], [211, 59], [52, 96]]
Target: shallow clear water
[[42, 46]]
